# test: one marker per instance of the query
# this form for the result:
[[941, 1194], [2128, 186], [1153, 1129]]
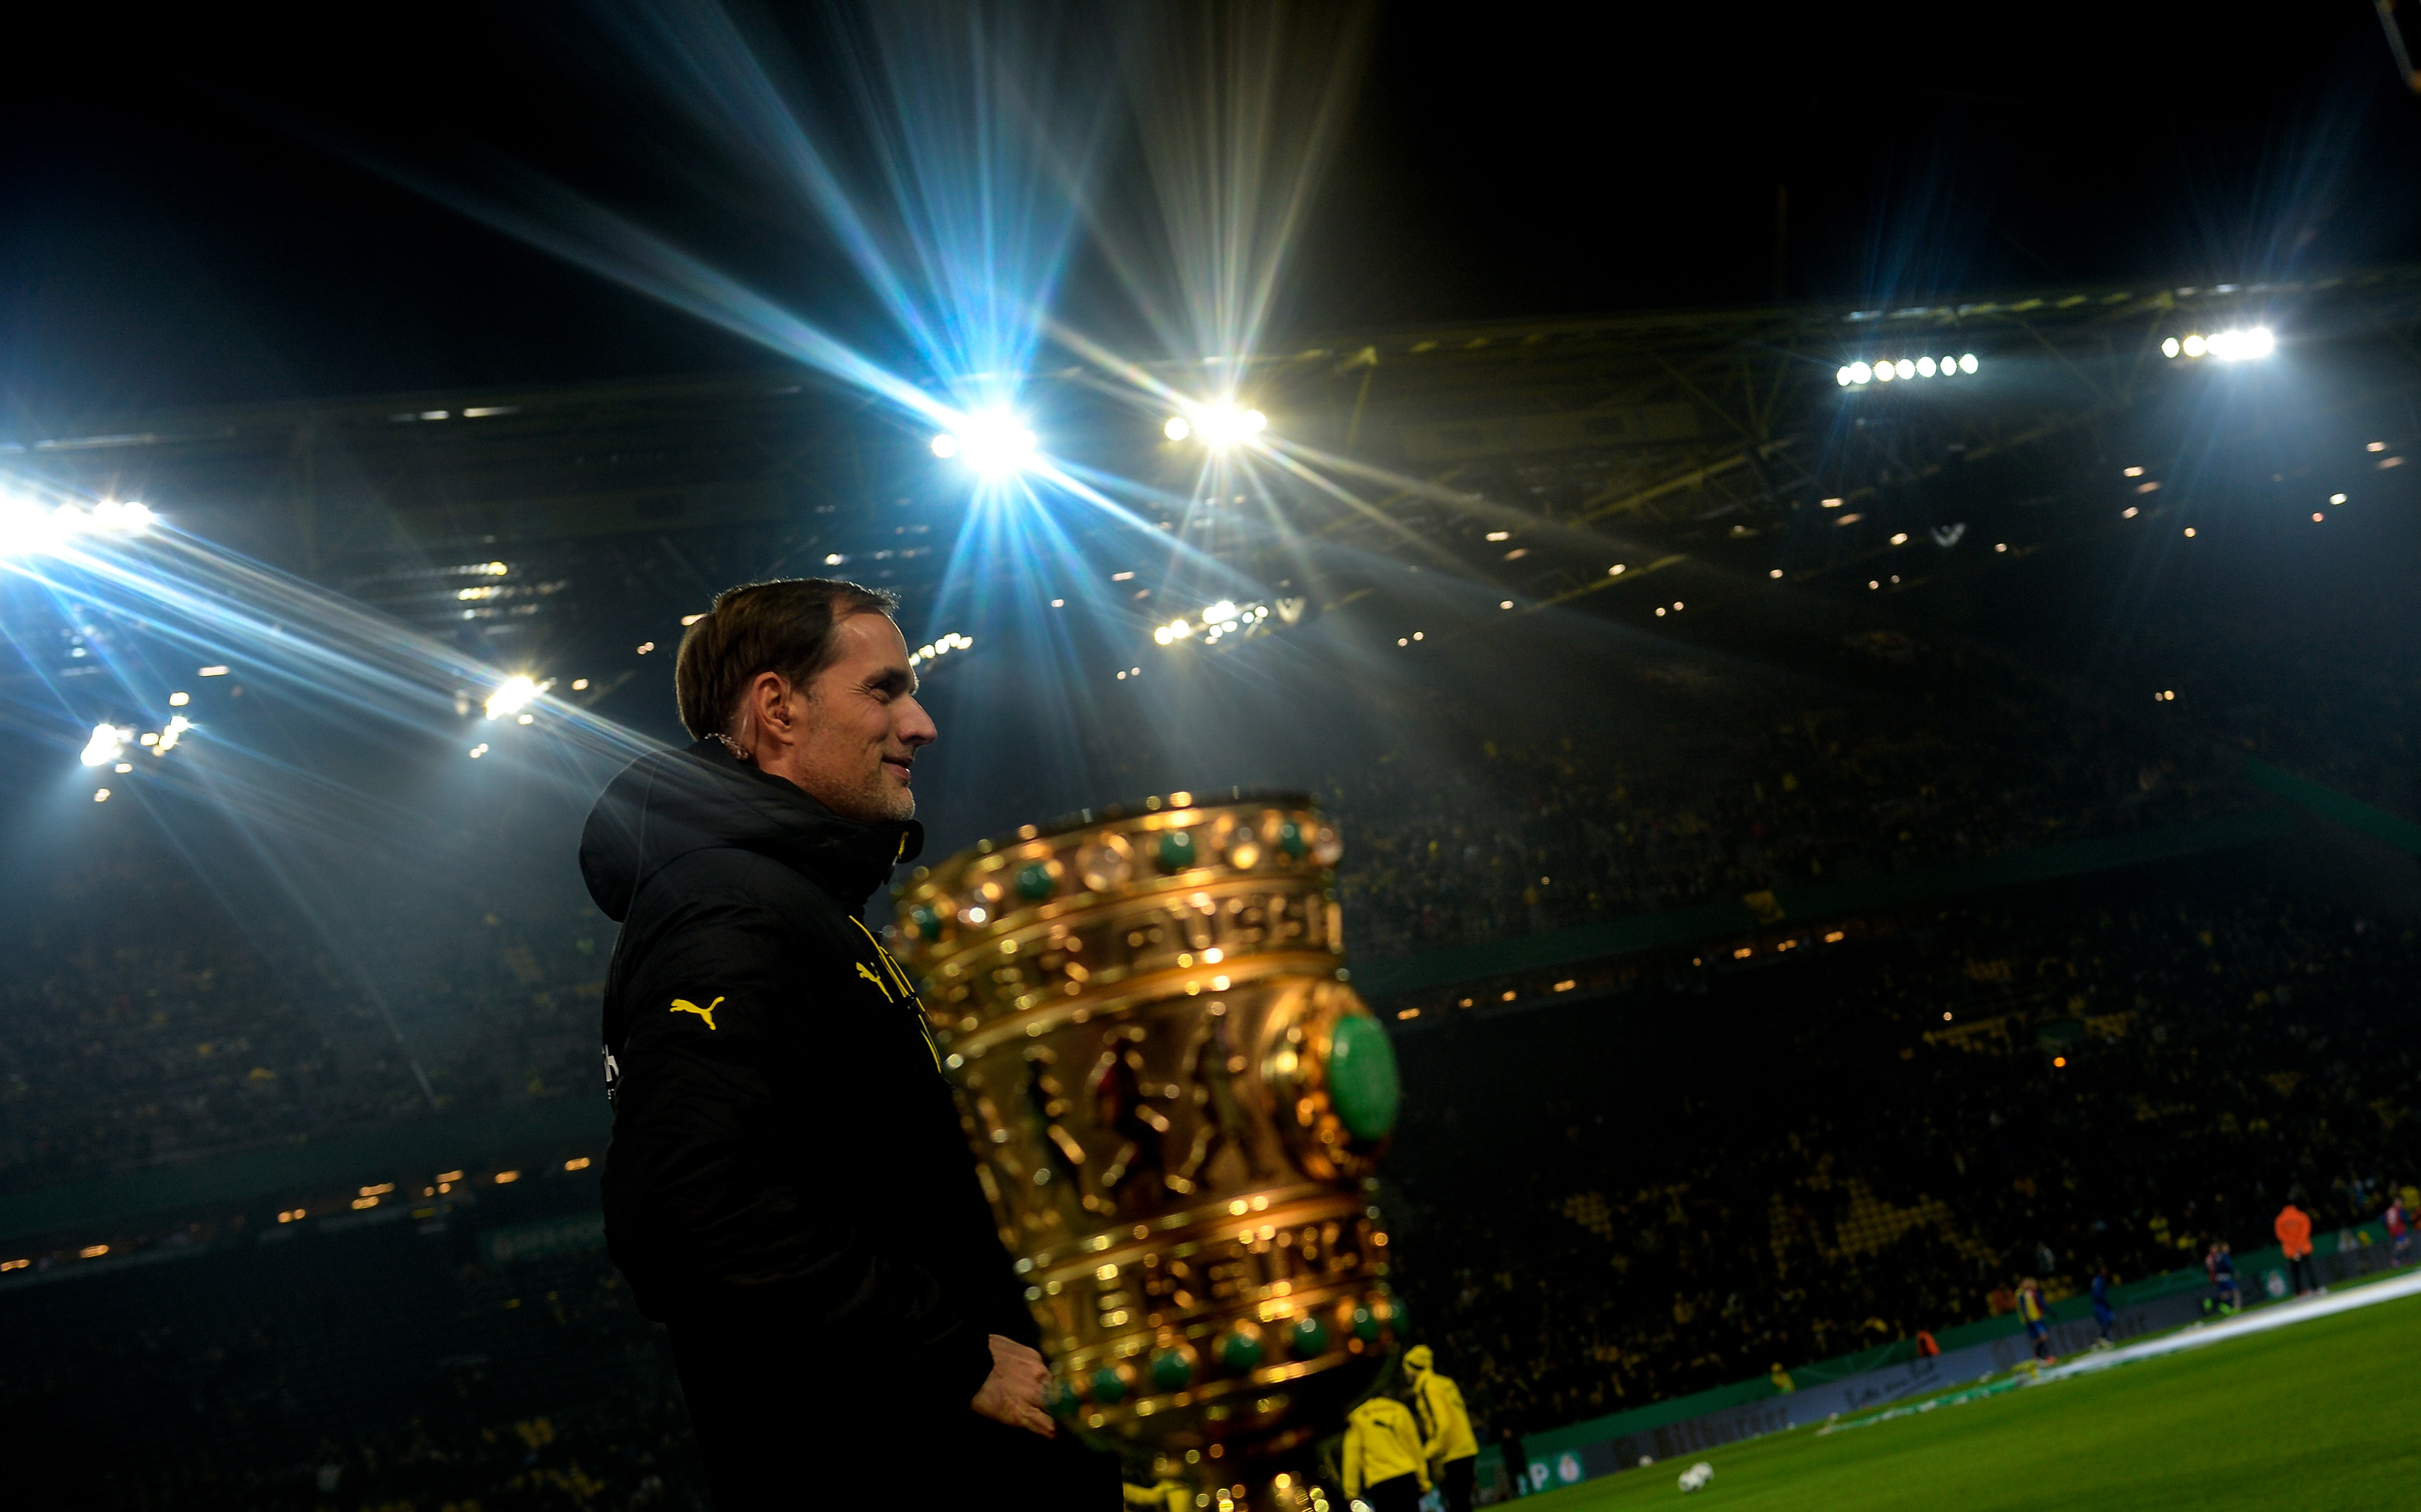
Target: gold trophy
[[1176, 1103]]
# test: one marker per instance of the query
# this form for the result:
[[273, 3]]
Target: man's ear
[[773, 702], [766, 705]]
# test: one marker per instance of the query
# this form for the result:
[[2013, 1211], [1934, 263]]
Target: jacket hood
[[668, 804], [1418, 1357]]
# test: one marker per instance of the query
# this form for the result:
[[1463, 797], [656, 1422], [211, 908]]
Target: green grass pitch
[[2319, 1414]]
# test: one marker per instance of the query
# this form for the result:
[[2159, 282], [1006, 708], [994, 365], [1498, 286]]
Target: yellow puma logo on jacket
[[891, 976], [683, 1004]]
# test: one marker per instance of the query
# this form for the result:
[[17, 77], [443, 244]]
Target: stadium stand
[[2027, 1086], [1765, 797], [406, 1362], [165, 1026]]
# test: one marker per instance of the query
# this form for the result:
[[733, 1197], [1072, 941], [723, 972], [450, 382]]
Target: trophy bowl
[[1176, 1102]]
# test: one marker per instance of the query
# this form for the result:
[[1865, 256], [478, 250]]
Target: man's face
[[863, 725]]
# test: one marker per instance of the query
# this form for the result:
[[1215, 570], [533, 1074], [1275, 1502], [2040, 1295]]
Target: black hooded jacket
[[784, 1143]]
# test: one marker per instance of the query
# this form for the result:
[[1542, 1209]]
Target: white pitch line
[[2278, 1315]]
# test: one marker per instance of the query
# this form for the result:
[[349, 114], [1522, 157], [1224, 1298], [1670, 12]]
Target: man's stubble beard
[[877, 801], [898, 803]]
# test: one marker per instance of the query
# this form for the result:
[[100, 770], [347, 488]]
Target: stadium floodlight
[[26, 527], [107, 745], [1177, 428], [1227, 617], [124, 517], [1218, 425], [1891, 370], [991, 444], [926, 654], [2233, 345], [515, 694], [168, 737]]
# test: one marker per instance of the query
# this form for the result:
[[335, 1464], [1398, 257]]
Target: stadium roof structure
[[1530, 456]]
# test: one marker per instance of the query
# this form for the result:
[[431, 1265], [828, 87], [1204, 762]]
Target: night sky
[[189, 216]]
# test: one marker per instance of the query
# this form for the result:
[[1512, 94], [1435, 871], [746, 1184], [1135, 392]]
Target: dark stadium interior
[[1823, 850]]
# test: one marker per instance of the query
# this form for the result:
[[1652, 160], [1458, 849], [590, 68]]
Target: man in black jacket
[[788, 1188]]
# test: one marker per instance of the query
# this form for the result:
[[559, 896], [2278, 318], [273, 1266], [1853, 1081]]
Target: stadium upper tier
[[1533, 457]]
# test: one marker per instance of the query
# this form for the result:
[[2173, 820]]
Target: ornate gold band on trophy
[[1176, 1102]]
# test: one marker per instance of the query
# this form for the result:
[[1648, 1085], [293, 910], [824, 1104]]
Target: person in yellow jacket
[[1167, 1494], [1383, 1463], [1446, 1439]]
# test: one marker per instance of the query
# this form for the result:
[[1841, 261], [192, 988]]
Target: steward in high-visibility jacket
[[1447, 1438], [1382, 1455], [1167, 1494]]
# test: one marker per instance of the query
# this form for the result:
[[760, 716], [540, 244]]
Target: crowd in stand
[[1932, 757], [1679, 1185], [1701, 1176], [382, 1370], [154, 1021], [2335, 698], [1851, 1148], [164, 1019]]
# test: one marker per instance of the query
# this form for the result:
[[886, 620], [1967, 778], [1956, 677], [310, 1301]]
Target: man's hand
[[1013, 1393]]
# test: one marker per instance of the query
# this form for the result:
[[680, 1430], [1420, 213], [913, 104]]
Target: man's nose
[[914, 727]]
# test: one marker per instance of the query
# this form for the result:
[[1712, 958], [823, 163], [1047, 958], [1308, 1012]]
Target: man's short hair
[[784, 627]]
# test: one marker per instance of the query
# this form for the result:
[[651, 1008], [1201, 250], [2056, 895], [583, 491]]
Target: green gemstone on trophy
[[1290, 840], [929, 923], [1240, 1353], [1108, 1388], [1362, 1077], [1308, 1338], [1171, 1371], [1176, 850], [1365, 1325], [1034, 883], [1059, 1400], [1398, 1317]]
